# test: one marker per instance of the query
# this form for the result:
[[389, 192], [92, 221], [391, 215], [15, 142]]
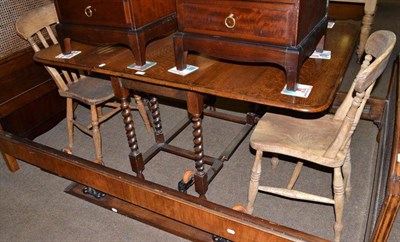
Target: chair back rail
[[35, 26], [379, 46]]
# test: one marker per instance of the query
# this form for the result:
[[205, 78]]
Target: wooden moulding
[[177, 208], [29, 101], [391, 204]]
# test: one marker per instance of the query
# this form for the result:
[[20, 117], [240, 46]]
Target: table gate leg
[[155, 112], [195, 103], [200, 177], [135, 156]]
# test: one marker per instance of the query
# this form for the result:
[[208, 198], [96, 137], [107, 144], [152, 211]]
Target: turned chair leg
[[142, 112], [254, 182], [70, 122], [99, 111], [295, 175], [274, 161], [96, 133], [338, 189], [11, 162], [346, 169]]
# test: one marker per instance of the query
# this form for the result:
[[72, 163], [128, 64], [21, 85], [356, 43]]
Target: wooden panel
[[391, 152], [153, 9], [38, 116], [189, 210], [256, 21], [310, 14], [103, 12], [273, 22], [13, 72], [29, 100], [114, 13], [341, 11]]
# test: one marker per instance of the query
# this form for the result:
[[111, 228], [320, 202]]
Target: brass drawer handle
[[230, 21], [88, 11]]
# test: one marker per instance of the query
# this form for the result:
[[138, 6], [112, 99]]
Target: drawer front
[[113, 13], [273, 23]]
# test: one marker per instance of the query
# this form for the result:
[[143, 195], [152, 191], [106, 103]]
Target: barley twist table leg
[[135, 156], [200, 177], [155, 112]]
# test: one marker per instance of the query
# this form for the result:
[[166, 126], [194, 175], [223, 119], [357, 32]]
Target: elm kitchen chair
[[95, 92], [324, 141]]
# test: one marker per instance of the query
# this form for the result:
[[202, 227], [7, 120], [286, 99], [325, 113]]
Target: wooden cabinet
[[133, 23], [284, 32]]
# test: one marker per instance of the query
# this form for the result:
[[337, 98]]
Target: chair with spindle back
[[35, 26], [324, 141]]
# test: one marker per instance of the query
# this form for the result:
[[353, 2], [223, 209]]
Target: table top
[[260, 83]]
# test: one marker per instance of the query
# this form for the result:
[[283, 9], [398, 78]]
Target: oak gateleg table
[[260, 84]]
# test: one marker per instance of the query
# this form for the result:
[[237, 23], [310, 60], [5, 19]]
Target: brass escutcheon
[[230, 21], [88, 11]]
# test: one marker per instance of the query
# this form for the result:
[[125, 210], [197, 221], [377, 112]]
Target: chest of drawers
[[284, 32], [130, 22]]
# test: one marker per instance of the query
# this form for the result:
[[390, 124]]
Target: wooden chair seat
[[89, 90], [306, 139], [324, 140]]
